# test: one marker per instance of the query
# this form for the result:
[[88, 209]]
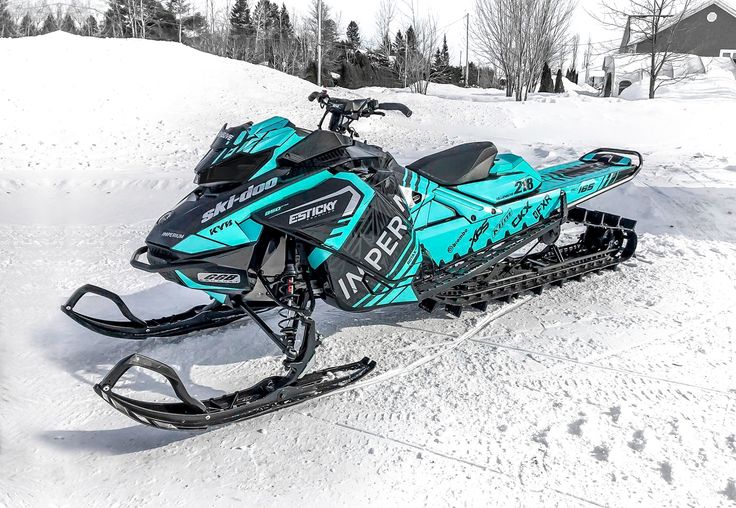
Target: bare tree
[[650, 27], [519, 36], [587, 57], [421, 42], [574, 43], [384, 19]]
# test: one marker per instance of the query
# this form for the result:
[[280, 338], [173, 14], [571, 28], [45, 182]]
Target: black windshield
[[220, 166]]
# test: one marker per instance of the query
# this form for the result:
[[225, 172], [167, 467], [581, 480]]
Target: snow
[[617, 390], [718, 81]]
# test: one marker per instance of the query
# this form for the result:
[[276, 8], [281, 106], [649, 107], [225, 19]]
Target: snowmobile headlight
[[165, 217]]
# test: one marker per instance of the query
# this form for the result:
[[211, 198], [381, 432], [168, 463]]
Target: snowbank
[[136, 102], [618, 387], [718, 81]]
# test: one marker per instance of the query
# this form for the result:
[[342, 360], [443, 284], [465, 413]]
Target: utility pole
[[467, 50], [319, 43], [586, 62], [406, 59]]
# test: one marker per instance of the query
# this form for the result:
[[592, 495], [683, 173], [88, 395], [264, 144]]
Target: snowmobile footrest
[[200, 317], [266, 396]]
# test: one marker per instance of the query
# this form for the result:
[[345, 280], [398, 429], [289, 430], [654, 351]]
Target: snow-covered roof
[[694, 10]]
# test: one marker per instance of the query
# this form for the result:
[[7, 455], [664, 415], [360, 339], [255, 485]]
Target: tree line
[[264, 32]]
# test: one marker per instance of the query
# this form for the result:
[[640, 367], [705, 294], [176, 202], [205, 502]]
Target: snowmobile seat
[[469, 162]]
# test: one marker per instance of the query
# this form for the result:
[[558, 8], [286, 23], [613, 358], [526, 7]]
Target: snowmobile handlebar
[[365, 106], [345, 111], [395, 106]]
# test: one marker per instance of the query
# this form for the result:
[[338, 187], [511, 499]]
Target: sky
[[450, 16]]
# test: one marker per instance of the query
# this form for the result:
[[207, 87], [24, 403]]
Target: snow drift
[[616, 387]]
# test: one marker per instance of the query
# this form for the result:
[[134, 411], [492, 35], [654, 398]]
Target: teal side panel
[[227, 232], [318, 256], [439, 212], [511, 178], [193, 244], [217, 296], [252, 229]]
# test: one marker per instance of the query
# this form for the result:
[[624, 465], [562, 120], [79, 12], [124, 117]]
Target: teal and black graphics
[[282, 217]]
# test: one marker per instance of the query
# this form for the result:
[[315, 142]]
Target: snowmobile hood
[[247, 151], [196, 224]]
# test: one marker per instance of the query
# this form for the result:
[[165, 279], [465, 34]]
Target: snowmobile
[[283, 216]]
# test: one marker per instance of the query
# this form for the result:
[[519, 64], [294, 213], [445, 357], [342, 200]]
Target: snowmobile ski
[[282, 216], [197, 318]]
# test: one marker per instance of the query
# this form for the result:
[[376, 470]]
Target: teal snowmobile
[[283, 216]]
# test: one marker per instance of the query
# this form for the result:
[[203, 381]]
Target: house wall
[[697, 36]]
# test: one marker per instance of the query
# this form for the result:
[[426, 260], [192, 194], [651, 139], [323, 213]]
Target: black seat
[[460, 164]]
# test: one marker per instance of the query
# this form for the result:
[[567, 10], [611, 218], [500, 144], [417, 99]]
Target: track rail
[[607, 241]]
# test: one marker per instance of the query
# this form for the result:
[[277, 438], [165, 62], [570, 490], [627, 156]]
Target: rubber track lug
[[428, 305], [481, 306], [455, 310]]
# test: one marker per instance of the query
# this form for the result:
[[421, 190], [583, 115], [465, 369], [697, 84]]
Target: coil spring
[[284, 293]]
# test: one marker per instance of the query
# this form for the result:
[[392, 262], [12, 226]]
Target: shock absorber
[[287, 295]]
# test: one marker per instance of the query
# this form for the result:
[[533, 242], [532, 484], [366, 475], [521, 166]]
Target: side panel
[[450, 224], [363, 237]]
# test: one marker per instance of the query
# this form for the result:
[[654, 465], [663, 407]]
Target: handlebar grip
[[395, 106], [317, 95]]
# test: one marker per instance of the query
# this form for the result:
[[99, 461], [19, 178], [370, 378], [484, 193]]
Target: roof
[[694, 10]]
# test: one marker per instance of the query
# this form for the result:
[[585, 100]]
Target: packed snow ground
[[613, 391]]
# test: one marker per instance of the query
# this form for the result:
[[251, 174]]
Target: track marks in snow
[[665, 471], [576, 428], [638, 441]]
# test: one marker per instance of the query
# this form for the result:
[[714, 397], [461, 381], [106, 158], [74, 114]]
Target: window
[[731, 53], [711, 17]]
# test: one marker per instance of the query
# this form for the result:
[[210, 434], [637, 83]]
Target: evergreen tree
[[386, 48], [559, 86], [546, 84], [286, 29], [445, 53], [68, 25], [353, 35], [178, 8], [441, 72], [161, 24], [411, 38], [399, 43], [49, 25], [27, 27], [117, 22], [240, 21], [90, 27], [472, 74], [7, 27]]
